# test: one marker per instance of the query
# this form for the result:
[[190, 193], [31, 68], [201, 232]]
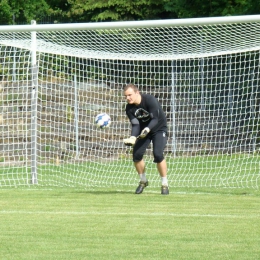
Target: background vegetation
[[62, 11]]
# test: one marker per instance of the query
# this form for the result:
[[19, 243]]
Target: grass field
[[66, 223]]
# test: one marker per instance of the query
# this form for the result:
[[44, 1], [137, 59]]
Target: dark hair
[[132, 86]]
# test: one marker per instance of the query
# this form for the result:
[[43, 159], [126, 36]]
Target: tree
[[121, 10], [117, 10], [6, 16], [17, 11], [211, 8]]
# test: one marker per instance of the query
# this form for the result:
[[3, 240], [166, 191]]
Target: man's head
[[132, 94]]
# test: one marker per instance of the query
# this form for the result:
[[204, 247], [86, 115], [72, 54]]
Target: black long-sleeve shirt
[[148, 113]]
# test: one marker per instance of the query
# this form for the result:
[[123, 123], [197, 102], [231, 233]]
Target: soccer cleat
[[165, 190], [141, 187]]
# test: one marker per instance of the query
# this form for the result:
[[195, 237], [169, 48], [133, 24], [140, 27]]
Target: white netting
[[205, 76], [165, 43]]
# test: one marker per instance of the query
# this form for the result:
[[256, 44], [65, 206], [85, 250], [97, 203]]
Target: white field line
[[96, 213]]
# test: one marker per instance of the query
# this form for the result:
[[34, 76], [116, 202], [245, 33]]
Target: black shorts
[[159, 140]]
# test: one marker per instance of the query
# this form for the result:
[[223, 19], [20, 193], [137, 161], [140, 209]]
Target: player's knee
[[158, 158], [137, 157]]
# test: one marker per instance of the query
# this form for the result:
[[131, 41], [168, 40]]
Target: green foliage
[[117, 10], [6, 15], [17, 11], [22, 11], [54, 66], [8, 59], [121, 10], [205, 8], [69, 114]]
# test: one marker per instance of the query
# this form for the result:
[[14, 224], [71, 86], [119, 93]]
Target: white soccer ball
[[102, 120]]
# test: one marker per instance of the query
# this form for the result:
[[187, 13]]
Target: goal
[[55, 78]]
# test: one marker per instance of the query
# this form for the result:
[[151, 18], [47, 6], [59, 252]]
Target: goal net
[[56, 78]]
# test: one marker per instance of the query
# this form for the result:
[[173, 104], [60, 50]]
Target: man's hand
[[144, 133], [130, 141]]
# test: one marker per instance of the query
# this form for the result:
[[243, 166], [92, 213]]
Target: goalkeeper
[[149, 124]]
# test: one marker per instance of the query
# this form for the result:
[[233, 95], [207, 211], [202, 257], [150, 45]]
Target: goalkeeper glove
[[144, 133], [130, 141]]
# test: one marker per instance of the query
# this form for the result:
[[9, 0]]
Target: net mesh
[[167, 43], [205, 76]]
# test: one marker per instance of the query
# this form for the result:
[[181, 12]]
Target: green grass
[[66, 223]]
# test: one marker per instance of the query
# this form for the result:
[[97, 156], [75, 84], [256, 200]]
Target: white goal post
[[55, 78]]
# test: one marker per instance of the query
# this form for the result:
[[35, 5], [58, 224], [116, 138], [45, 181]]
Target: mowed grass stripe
[[162, 214]]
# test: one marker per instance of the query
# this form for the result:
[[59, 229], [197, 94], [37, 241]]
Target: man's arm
[[135, 130], [154, 119], [135, 127], [153, 109]]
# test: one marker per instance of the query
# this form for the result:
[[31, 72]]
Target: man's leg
[[162, 168], [138, 152], [159, 143], [140, 168]]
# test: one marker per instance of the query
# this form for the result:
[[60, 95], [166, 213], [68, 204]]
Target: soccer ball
[[102, 120]]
